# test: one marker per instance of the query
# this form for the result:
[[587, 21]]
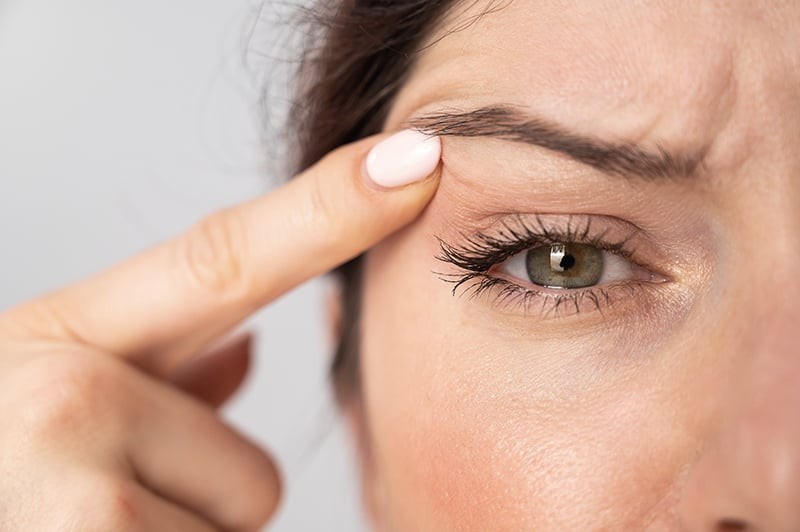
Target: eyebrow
[[625, 159]]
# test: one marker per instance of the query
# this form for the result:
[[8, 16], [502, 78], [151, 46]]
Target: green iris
[[565, 265]]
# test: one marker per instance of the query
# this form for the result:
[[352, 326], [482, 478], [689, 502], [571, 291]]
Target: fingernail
[[403, 158]]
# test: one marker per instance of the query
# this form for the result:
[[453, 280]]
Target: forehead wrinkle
[[686, 99]]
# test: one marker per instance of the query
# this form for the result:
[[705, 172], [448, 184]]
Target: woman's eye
[[565, 266]]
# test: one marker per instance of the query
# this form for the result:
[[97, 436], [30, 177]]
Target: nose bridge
[[757, 462], [772, 331], [767, 407], [748, 475], [749, 469], [770, 307], [767, 345]]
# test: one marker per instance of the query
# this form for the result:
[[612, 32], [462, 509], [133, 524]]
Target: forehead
[[670, 70]]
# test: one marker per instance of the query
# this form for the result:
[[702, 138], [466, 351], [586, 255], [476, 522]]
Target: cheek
[[475, 429], [427, 422]]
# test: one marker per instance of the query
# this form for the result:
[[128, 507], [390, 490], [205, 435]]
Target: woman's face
[[645, 375]]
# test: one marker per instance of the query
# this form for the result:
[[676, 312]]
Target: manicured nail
[[403, 158]]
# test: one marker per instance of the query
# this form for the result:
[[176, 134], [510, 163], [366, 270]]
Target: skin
[[676, 408], [111, 419]]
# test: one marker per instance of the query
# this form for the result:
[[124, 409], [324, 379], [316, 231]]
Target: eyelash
[[482, 251]]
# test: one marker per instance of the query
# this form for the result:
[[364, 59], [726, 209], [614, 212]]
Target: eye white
[[615, 268]]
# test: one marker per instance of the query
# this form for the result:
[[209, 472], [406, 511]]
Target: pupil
[[567, 262]]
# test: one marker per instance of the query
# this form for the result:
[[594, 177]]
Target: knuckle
[[212, 254], [43, 317], [66, 395]]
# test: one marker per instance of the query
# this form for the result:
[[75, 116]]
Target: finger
[[205, 281], [214, 377], [145, 511], [181, 449]]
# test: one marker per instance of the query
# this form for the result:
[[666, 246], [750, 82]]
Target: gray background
[[121, 123]]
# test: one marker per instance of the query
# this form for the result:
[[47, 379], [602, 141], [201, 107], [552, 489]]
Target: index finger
[[238, 259]]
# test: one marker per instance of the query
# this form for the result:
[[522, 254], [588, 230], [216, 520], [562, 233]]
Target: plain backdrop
[[122, 123]]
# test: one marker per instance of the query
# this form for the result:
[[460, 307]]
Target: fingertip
[[406, 157]]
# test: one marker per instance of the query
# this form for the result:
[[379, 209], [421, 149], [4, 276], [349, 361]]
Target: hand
[[109, 419]]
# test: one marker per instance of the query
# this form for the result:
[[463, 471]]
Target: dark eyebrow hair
[[625, 159]]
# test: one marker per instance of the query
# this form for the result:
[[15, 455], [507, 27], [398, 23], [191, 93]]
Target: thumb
[[214, 377]]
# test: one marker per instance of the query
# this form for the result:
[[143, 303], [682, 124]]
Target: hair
[[358, 53]]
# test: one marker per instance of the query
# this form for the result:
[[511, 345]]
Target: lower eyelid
[[548, 303]]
